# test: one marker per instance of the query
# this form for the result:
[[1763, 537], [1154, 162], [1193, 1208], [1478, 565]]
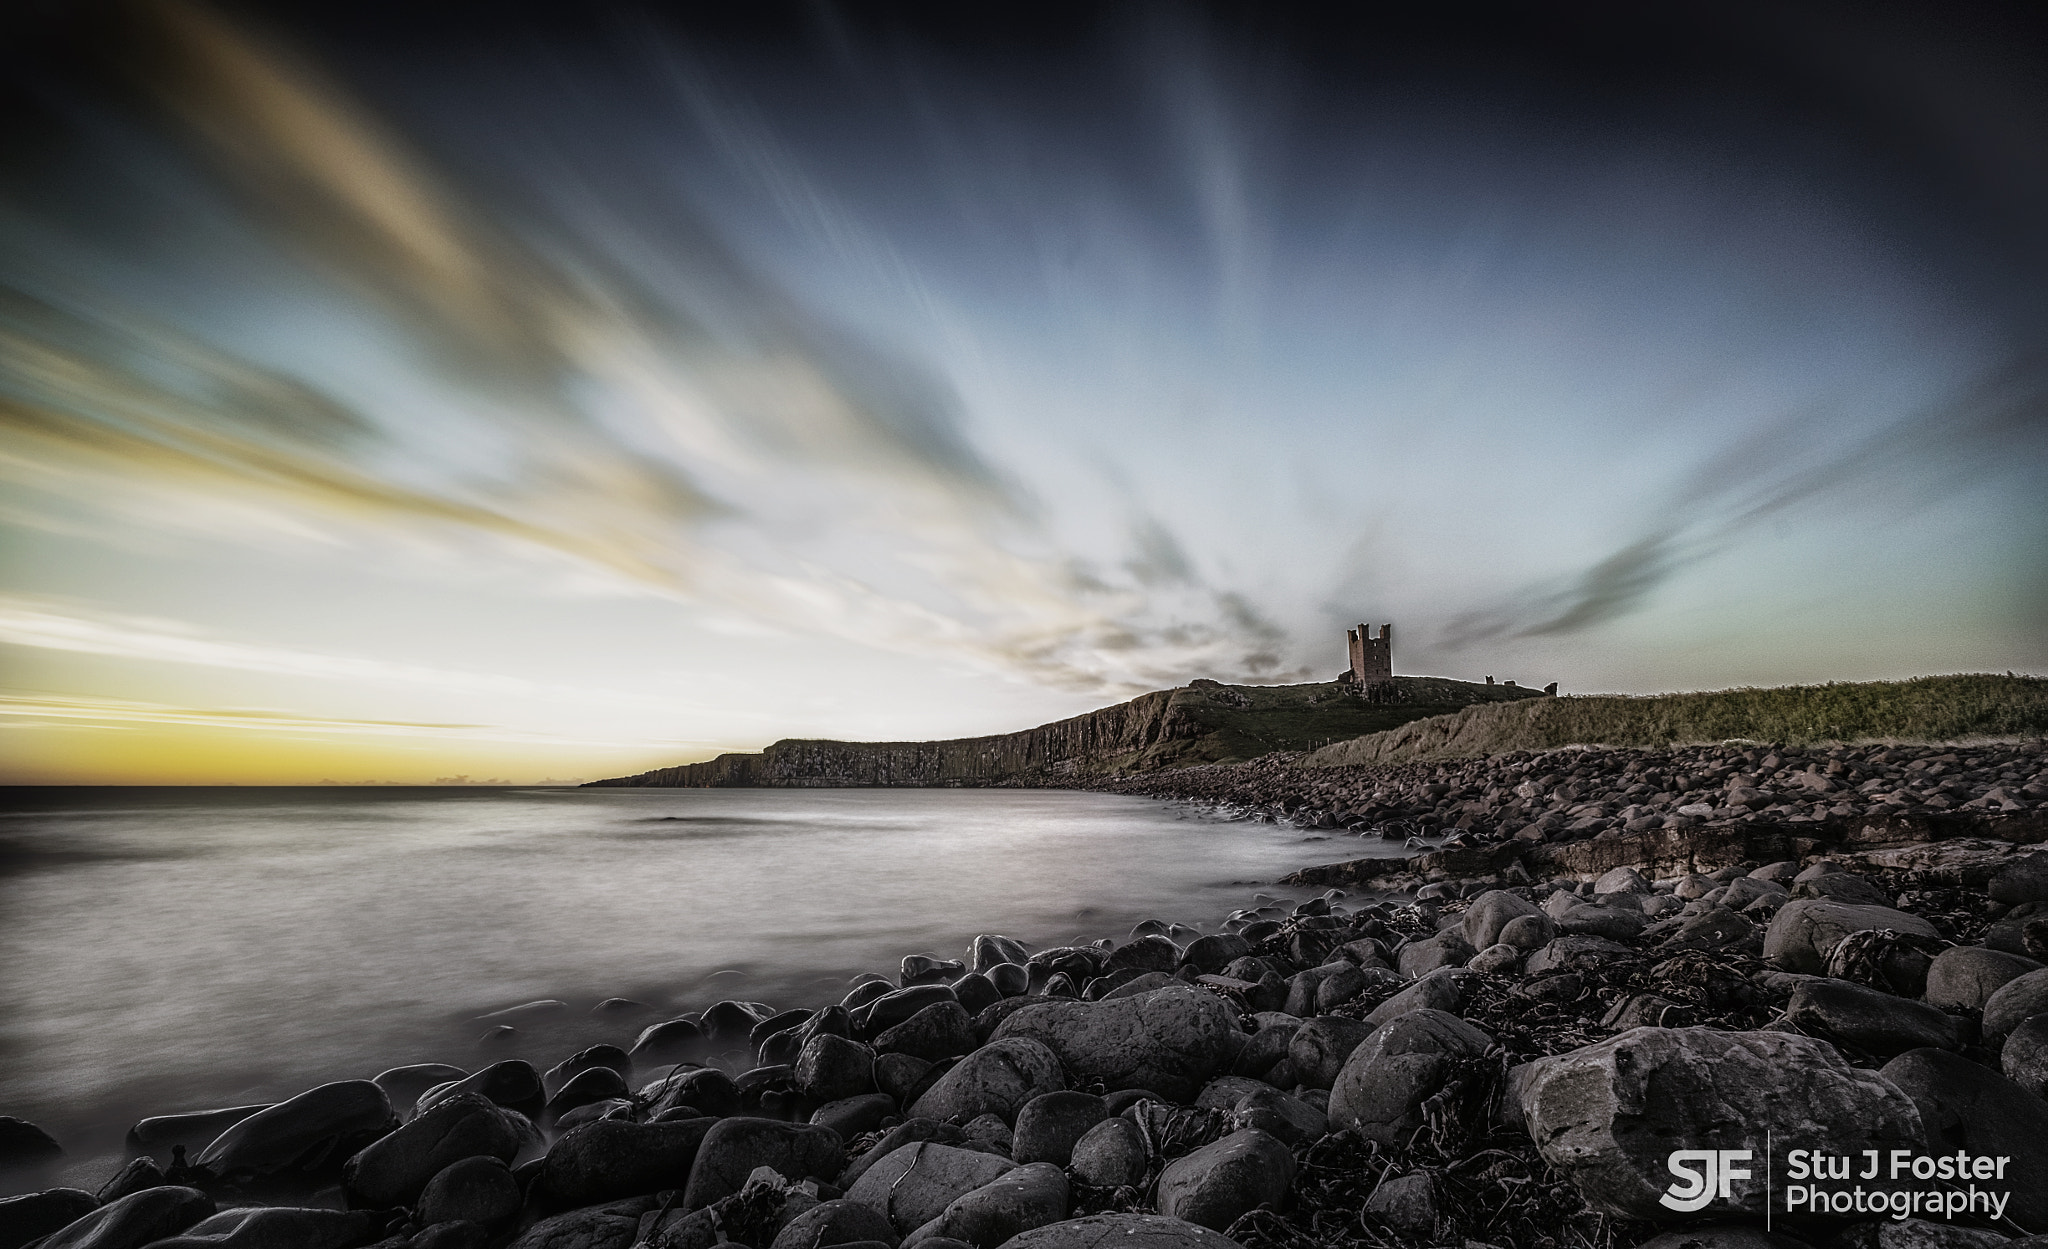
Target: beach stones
[[31, 1216], [1049, 1125], [1606, 1115], [1867, 1019], [405, 1085], [836, 1222], [890, 1009], [1806, 930], [996, 1079], [1111, 1154], [615, 1225], [2025, 1056], [1318, 1048], [614, 1159], [1169, 1042], [157, 1136], [1025, 1197], [941, 1030], [831, 1068], [734, 1147], [671, 1041], [987, 950], [513, 1084], [1446, 949], [1211, 954], [852, 1116], [1965, 1106], [1385, 1080], [1121, 1231], [1492, 911], [2015, 1001], [134, 1221], [1221, 1180], [914, 1184], [302, 1141], [392, 1170], [1439, 990], [2023, 880], [474, 1190], [1967, 975], [277, 1227], [610, 1057], [1148, 953]]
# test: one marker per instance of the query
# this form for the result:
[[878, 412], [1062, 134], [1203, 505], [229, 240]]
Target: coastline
[[1405, 1055]]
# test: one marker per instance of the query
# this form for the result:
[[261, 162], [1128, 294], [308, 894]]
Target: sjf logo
[[1703, 1175]]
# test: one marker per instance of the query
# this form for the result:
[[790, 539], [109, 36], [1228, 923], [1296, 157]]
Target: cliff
[[1205, 722]]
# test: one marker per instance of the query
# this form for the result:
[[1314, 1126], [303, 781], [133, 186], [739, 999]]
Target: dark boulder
[[392, 1170], [1170, 1042], [1867, 1019], [1050, 1124], [1968, 1107], [734, 1147], [996, 1079], [301, 1143], [1223, 1179], [513, 1084], [151, 1215], [614, 1159]]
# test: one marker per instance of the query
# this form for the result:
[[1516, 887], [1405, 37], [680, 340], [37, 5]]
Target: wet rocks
[[733, 1148], [150, 1215], [1122, 1231], [1031, 1195], [1384, 1082], [1319, 1048], [1963, 1105], [1111, 1154], [941, 1030], [1049, 1125], [303, 1141], [477, 1190], [1169, 1042], [836, 1222], [1868, 1020], [2014, 1002], [613, 1159], [2024, 1058], [1606, 1115], [999, 1078], [913, 1185], [1220, 1181], [276, 1227], [1807, 930], [157, 1136], [31, 1216], [392, 1170]]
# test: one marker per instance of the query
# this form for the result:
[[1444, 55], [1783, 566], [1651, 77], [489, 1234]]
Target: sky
[[547, 392]]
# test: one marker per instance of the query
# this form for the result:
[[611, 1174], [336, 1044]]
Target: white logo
[[1710, 1179]]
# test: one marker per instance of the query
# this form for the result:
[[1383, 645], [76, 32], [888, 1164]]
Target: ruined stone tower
[[1372, 658]]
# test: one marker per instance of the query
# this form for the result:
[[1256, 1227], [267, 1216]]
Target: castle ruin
[[1372, 658]]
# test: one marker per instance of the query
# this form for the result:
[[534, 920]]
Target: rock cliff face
[[1205, 722]]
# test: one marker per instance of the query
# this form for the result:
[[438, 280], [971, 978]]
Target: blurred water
[[172, 949]]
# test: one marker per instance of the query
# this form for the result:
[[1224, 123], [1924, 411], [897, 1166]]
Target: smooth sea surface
[[164, 950]]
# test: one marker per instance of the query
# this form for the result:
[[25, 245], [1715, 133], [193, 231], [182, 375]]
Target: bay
[[173, 949]]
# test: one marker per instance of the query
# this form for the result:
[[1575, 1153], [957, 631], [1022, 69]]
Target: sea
[[174, 949]]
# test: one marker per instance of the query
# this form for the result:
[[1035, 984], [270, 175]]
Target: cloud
[[32, 709], [1992, 432]]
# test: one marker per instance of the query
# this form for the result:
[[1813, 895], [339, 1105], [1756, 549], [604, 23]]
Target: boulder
[[1846, 887], [1490, 912], [2025, 1056], [836, 1222], [1030, 1196], [1573, 951], [1496, 960], [404, 1085], [1965, 1106], [1606, 1115], [392, 1170], [1619, 921], [1621, 880], [1529, 932], [613, 1226], [278, 1227], [996, 1079], [474, 1190], [157, 1136], [1121, 1231], [610, 1057], [303, 1142], [2016, 1001], [1148, 953], [1722, 1236], [1169, 1042], [513, 1084], [733, 1148], [852, 1116], [1967, 975], [1407, 1203], [1383, 1084], [1439, 990], [1221, 1180], [32, 1216], [136, 1220], [1212, 953], [914, 1184], [2022, 880], [890, 1009], [941, 1030], [1048, 1126], [988, 950], [833, 1067], [671, 1041], [1871, 1021], [1897, 1233], [1112, 1154], [614, 1159], [1319, 1047], [1446, 949], [1806, 930]]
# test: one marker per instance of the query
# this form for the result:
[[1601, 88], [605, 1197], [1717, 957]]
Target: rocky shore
[[1833, 960]]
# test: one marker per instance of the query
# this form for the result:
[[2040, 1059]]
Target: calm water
[[168, 949]]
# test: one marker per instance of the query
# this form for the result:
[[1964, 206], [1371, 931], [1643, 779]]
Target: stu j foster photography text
[[1901, 1183]]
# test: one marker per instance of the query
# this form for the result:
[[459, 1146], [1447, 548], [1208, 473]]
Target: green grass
[[1946, 708]]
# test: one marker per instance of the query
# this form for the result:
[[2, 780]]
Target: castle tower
[[1372, 658]]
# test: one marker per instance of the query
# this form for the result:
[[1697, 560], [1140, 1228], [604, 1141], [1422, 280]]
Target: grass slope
[[1214, 723], [1923, 709]]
